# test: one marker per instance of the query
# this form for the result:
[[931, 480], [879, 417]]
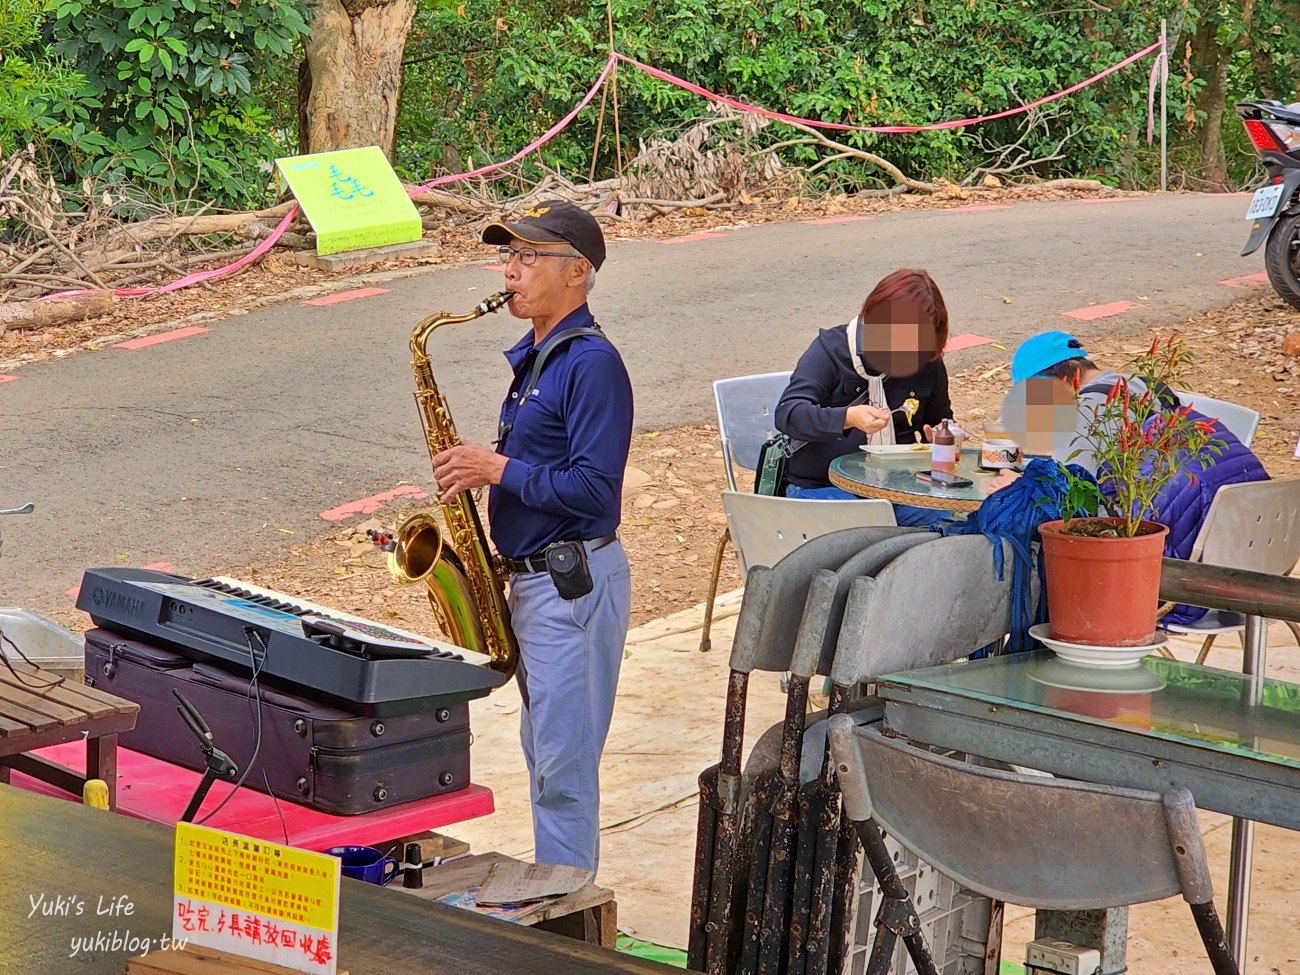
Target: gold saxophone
[[465, 581]]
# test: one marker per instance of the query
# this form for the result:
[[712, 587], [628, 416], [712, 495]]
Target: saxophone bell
[[417, 545]]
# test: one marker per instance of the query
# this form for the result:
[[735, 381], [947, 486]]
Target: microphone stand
[[219, 764]]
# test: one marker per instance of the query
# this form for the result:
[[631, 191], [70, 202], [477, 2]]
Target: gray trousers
[[570, 652]]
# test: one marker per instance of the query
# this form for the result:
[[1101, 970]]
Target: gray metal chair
[[746, 417], [746, 421], [1253, 526], [1044, 843], [766, 632], [932, 604]]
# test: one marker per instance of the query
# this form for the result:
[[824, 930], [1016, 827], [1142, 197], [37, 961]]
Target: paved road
[[208, 449]]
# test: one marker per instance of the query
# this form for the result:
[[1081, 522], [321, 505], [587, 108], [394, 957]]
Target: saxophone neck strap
[[544, 352]]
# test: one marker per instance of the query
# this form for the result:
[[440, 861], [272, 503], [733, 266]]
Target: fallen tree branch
[[39, 314], [816, 136]]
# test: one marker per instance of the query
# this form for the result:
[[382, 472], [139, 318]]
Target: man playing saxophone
[[556, 480]]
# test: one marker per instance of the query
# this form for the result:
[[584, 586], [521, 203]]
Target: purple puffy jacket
[[1184, 503]]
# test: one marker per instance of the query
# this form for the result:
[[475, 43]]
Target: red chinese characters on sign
[[236, 928]]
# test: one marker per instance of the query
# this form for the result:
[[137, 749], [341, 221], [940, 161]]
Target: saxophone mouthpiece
[[495, 303]]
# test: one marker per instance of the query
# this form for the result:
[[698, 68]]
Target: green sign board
[[352, 198]]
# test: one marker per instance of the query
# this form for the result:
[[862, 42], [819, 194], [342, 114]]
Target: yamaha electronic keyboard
[[349, 661]]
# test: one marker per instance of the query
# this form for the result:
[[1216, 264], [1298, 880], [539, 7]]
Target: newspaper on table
[[513, 882]]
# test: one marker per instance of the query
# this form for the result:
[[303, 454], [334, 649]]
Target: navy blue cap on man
[[552, 221]]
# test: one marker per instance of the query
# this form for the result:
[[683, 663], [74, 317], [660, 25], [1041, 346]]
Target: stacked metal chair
[[777, 861]]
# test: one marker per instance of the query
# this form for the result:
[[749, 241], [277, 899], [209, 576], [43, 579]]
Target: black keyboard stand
[[218, 764]]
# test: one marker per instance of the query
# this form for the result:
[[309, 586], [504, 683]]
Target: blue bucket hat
[[1041, 352]]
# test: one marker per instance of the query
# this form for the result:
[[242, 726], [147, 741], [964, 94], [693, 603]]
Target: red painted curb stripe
[[689, 237], [494, 267], [847, 218], [148, 340], [368, 506], [1093, 312], [1247, 281], [9, 379], [347, 296], [976, 206], [968, 341], [1113, 199]]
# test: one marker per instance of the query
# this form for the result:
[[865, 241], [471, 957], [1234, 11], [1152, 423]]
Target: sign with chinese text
[[256, 899], [352, 198]]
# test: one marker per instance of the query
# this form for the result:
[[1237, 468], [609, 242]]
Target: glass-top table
[[892, 476], [1163, 724]]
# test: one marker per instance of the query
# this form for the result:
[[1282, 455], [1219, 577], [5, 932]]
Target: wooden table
[[892, 477], [39, 708], [61, 848], [589, 914]]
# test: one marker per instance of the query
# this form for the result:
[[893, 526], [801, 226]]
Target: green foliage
[[169, 100], [28, 76], [484, 78]]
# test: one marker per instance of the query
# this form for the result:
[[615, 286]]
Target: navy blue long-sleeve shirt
[[567, 447]]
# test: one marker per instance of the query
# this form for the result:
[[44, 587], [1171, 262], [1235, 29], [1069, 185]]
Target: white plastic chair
[[1240, 421], [765, 529], [747, 417], [1254, 526]]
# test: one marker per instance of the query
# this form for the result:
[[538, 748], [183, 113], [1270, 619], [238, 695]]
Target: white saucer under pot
[[1091, 656]]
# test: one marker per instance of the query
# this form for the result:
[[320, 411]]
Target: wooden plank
[[8, 726], [33, 720], [12, 697], [94, 702]]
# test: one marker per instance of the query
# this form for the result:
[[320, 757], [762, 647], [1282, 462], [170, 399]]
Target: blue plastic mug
[[365, 863]]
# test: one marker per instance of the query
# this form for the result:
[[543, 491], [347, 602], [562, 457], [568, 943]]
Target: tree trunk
[[348, 92], [1214, 168], [1213, 97]]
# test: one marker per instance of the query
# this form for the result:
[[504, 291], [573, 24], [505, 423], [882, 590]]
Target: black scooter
[[1274, 211]]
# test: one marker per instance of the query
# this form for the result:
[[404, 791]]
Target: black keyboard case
[[311, 753]]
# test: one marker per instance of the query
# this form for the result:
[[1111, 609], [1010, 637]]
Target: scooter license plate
[[1265, 202]]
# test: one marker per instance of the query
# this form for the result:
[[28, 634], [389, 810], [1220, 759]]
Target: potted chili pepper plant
[[1102, 568]]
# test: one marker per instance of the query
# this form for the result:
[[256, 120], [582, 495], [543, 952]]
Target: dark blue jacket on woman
[[822, 386]]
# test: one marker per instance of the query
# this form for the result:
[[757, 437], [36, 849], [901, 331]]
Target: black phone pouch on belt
[[567, 564]]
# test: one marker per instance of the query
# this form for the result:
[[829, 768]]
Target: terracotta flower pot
[[1103, 592]]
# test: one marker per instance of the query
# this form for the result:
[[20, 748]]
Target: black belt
[[537, 561]]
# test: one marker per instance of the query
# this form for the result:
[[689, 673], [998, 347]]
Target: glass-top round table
[[892, 476]]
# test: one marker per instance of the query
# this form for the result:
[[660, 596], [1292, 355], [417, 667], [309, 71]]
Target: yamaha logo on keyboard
[[117, 602]]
